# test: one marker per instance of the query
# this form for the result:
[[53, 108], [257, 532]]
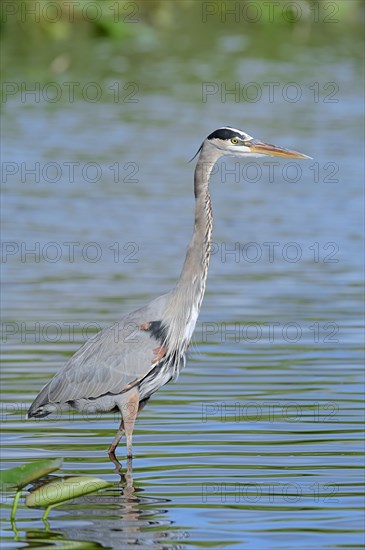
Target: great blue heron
[[125, 364]]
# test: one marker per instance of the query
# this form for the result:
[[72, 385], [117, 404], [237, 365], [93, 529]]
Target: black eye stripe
[[226, 133]]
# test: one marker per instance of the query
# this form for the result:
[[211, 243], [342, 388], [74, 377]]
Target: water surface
[[258, 444]]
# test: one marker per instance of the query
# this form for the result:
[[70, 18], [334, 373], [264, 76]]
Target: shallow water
[[258, 444]]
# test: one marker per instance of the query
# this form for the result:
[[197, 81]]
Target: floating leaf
[[62, 489], [20, 476]]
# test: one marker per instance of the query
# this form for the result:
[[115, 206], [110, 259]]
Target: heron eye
[[234, 141]]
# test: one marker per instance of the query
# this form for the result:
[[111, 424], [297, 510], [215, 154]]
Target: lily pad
[[20, 476], [64, 488]]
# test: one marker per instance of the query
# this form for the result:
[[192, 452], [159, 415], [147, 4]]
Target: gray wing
[[115, 359]]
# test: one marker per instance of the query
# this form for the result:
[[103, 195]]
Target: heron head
[[230, 141]]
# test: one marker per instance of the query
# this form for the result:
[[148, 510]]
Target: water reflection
[[119, 517]]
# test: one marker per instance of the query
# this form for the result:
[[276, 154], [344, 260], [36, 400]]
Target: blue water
[[258, 444]]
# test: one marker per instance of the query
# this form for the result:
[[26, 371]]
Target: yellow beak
[[262, 148]]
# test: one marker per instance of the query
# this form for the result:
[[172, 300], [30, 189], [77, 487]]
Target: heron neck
[[184, 302], [195, 269], [191, 285]]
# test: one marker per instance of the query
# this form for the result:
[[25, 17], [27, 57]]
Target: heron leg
[[116, 440], [129, 413]]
